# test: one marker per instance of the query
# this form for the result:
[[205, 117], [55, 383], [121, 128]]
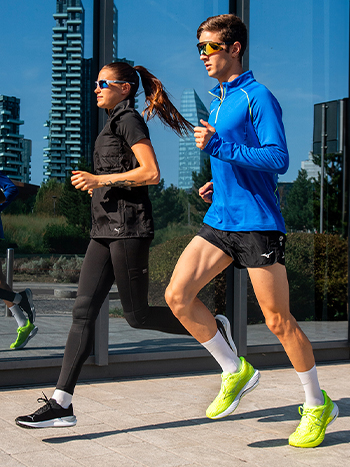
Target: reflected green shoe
[[314, 421], [25, 333], [233, 387]]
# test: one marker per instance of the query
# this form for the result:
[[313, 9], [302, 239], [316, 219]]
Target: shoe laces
[[225, 382], [307, 416], [45, 407]]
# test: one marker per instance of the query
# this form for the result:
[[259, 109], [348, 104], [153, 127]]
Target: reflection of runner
[[122, 227], [246, 142], [22, 301]]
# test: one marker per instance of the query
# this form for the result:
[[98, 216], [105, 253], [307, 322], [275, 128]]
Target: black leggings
[[126, 262]]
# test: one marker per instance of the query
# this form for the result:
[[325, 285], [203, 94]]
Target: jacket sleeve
[[9, 189], [271, 153]]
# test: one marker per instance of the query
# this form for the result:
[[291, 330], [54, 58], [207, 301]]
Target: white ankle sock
[[63, 398], [223, 353], [17, 299], [313, 393], [18, 315]]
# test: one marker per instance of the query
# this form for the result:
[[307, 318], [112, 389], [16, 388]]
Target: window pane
[[157, 35], [296, 58]]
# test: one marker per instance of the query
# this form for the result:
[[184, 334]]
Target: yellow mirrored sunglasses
[[208, 48]]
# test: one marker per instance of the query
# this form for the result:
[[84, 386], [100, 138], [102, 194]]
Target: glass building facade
[[191, 158], [15, 151], [65, 124], [300, 78]]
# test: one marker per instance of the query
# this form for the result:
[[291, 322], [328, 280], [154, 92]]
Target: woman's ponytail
[[157, 100], [158, 103]]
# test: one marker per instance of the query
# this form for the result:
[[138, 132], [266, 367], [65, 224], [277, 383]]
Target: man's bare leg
[[272, 292], [199, 263]]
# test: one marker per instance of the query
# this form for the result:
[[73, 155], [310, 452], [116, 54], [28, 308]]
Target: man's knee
[[176, 299], [279, 324]]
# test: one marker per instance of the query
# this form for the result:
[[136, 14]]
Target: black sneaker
[[27, 304], [224, 327], [49, 415]]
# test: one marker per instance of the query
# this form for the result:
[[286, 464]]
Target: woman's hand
[[202, 134], [206, 192], [84, 181]]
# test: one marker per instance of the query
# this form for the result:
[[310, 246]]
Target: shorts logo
[[267, 255]]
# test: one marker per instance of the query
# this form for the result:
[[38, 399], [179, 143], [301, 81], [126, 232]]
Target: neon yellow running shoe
[[25, 333], [314, 421], [233, 387]]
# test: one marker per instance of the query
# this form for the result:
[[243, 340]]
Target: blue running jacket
[[247, 153]]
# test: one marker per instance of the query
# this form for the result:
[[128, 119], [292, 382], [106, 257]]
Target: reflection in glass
[[53, 88], [306, 73]]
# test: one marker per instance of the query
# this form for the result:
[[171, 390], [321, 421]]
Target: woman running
[[122, 226]]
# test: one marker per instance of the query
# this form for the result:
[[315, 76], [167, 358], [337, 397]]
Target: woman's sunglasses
[[104, 83], [208, 48]]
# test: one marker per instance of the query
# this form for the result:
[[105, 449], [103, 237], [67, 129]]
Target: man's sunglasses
[[104, 83], [208, 48]]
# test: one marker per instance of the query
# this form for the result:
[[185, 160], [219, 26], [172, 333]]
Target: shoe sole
[[226, 324], [334, 414], [53, 423], [31, 335], [249, 386]]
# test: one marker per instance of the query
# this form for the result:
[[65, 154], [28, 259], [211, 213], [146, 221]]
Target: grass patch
[[25, 232]]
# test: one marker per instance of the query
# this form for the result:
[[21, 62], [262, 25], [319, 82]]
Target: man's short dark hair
[[229, 27]]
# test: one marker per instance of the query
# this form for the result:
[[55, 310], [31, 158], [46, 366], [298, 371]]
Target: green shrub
[[300, 264], [65, 239], [34, 266], [163, 259], [67, 269], [317, 274], [331, 277], [173, 231]]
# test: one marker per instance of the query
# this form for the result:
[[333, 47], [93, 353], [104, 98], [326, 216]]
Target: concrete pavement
[[153, 422]]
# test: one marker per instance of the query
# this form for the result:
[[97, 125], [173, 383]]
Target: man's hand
[[202, 134], [84, 181], [206, 192]]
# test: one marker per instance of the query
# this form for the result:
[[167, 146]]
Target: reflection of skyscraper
[[191, 158], [65, 139], [312, 169], [15, 151], [27, 155]]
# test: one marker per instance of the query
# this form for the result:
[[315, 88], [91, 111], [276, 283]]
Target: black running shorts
[[248, 249]]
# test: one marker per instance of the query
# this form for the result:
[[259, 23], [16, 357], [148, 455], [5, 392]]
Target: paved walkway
[[161, 422]]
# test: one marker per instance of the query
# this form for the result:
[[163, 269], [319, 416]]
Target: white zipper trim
[[221, 101]]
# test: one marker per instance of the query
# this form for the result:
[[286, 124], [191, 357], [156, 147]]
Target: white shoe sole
[[334, 414], [53, 423]]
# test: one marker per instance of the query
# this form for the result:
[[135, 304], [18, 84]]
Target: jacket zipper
[[221, 101]]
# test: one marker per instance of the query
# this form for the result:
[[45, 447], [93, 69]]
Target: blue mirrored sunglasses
[[104, 83]]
